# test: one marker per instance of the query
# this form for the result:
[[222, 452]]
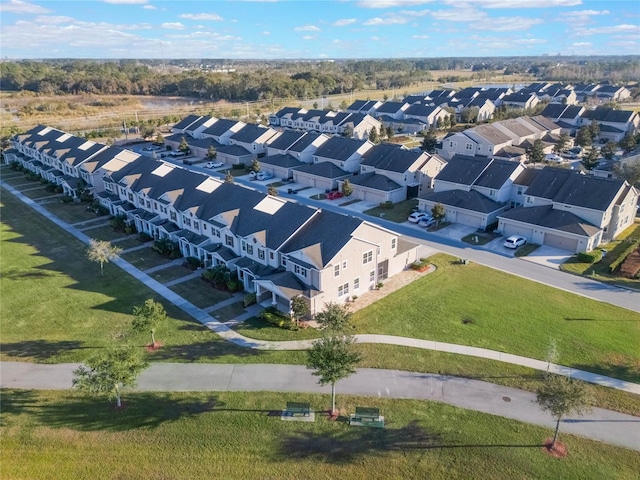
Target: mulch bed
[[153, 347], [559, 450]]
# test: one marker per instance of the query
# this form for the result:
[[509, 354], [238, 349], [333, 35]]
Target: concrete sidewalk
[[602, 425], [232, 336]]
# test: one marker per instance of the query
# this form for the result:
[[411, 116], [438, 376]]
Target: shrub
[[272, 316], [590, 257], [144, 237], [66, 199], [249, 299], [388, 205], [193, 263], [379, 285], [633, 245], [130, 228], [118, 223]]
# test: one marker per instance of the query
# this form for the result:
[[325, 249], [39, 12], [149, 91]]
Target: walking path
[[186, 278], [602, 425], [230, 335]]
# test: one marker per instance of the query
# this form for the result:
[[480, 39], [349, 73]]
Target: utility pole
[[124, 124]]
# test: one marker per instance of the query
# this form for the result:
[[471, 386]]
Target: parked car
[[576, 150], [552, 157], [415, 217], [150, 149], [570, 155], [264, 176], [253, 174], [177, 154], [214, 164], [335, 194], [427, 222], [514, 241]]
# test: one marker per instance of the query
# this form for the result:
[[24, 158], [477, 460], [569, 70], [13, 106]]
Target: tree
[[429, 142], [299, 308], [590, 158], [628, 143], [272, 190], [584, 138], [184, 146], [562, 396], [594, 129], [347, 189], [333, 358], [109, 372], [101, 251], [212, 152], [228, 178], [469, 115], [438, 212], [335, 318], [147, 317], [160, 138], [562, 143], [373, 135], [629, 171], [255, 166], [347, 132], [389, 131], [608, 150], [535, 154]]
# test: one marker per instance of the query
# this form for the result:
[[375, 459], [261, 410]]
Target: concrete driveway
[[548, 256], [455, 231]]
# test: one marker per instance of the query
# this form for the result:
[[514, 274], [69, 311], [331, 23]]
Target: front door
[[383, 270]]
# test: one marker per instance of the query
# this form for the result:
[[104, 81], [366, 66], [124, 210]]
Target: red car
[[334, 195]]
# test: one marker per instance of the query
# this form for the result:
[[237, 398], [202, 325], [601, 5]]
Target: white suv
[[514, 241]]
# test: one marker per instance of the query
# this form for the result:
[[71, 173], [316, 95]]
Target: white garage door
[[466, 219], [561, 242], [518, 230], [373, 197]]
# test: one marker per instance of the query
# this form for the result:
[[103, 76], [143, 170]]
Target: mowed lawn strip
[[481, 307], [240, 436], [57, 308]]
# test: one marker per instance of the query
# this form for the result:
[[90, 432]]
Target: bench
[[298, 408], [367, 416]]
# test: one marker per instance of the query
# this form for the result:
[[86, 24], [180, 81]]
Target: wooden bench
[[367, 416], [298, 408]]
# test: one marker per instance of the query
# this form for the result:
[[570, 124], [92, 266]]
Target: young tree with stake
[[101, 251], [147, 317]]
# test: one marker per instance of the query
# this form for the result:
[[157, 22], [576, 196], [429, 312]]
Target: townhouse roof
[[220, 127], [391, 158], [252, 132], [287, 110], [198, 123], [186, 121], [548, 217], [323, 237], [463, 169], [519, 127], [471, 200], [82, 151], [289, 284], [519, 97], [357, 105], [468, 92], [548, 182], [286, 139], [339, 148], [324, 169], [609, 89], [411, 99], [588, 191], [526, 176], [390, 107], [441, 93], [234, 150], [491, 133], [305, 141], [420, 110], [553, 110], [572, 111], [496, 173], [282, 160], [493, 93], [542, 121], [118, 157], [375, 181], [609, 115]]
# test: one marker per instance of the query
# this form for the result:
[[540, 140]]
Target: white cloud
[[625, 28], [391, 3], [266, 33], [53, 20], [582, 44], [420, 37], [586, 13], [307, 28], [308, 37], [17, 6], [518, 3], [505, 24], [529, 41], [201, 16], [126, 2], [375, 39], [173, 26], [389, 20], [150, 7], [415, 13], [459, 15], [344, 22]]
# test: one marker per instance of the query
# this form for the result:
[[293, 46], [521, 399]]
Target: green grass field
[[66, 435]]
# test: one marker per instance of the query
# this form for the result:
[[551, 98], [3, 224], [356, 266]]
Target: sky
[[308, 29]]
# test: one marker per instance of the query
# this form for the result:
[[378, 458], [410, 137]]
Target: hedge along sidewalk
[[230, 335]]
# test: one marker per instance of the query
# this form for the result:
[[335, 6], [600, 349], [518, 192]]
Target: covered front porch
[[280, 288]]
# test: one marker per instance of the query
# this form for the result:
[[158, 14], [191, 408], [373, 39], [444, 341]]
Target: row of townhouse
[[550, 206], [506, 139], [614, 124], [393, 173], [324, 121], [279, 249]]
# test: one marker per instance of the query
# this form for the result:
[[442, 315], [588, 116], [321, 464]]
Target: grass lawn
[[62, 310], [526, 249], [229, 312], [10, 178], [223, 435], [73, 212], [256, 328], [105, 232], [167, 274], [477, 306], [478, 238], [600, 270], [398, 213], [200, 293], [144, 258], [128, 243], [35, 193]]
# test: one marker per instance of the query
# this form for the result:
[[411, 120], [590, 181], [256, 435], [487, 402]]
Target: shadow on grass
[[214, 348], [92, 413], [347, 446], [41, 350], [628, 373]]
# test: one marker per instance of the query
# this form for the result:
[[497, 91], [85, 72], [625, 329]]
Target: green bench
[[298, 408], [367, 416]]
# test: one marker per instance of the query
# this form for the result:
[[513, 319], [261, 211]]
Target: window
[[173, 216], [372, 275], [300, 270], [469, 146], [228, 240], [519, 190], [284, 261], [343, 289], [394, 242], [344, 264], [186, 221], [356, 283], [148, 203], [271, 255], [196, 225], [492, 193], [204, 227], [529, 200], [261, 253], [451, 144], [108, 187], [367, 257], [244, 246], [336, 270], [249, 249], [130, 196]]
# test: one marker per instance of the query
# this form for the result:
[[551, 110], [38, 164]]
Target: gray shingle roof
[[463, 169], [496, 174], [286, 140], [186, 121], [304, 142], [220, 127], [251, 132], [281, 160], [390, 157], [375, 181], [546, 216], [339, 148], [472, 200], [323, 169]]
